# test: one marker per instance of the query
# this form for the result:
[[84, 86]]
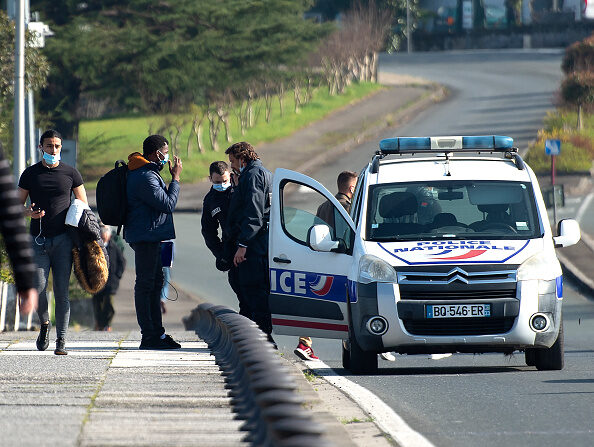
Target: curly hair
[[242, 151]]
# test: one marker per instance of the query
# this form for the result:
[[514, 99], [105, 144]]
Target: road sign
[[552, 147]]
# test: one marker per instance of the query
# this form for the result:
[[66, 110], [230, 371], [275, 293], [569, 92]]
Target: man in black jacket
[[248, 226], [215, 209], [102, 300]]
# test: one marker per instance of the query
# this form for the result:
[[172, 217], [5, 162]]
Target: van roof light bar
[[409, 145]]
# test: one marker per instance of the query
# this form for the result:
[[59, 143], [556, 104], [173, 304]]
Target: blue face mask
[[51, 159], [221, 186], [241, 168]]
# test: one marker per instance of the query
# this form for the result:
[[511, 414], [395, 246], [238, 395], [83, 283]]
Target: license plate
[[458, 310]]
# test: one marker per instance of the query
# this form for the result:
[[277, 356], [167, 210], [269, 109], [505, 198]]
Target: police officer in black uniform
[[215, 210], [248, 226]]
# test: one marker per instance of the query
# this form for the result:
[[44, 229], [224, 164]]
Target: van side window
[[303, 207]]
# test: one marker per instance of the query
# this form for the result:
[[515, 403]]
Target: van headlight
[[372, 268], [543, 266]]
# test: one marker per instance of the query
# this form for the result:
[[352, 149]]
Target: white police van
[[447, 249]]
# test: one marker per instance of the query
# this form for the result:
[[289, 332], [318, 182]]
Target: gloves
[[222, 264]]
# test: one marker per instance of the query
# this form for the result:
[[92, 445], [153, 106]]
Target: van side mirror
[[569, 233], [319, 238]]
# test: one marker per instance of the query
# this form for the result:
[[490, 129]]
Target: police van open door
[[309, 256]]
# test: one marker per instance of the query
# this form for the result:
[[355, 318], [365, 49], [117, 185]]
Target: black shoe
[[171, 342], [43, 337], [271, 341], [60, 342], [154, 343]]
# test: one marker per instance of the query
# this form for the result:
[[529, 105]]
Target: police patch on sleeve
[[215, 211]]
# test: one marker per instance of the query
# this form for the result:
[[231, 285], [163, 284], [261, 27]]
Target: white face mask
[[165, 158]]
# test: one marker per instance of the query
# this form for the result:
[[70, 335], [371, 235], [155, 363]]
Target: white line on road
[[386, 418], [584, 207]]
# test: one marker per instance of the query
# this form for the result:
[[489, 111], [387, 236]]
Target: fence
[[261, 388]]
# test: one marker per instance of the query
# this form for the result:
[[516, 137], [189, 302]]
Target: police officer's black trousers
[[254, 287], [244, 305]]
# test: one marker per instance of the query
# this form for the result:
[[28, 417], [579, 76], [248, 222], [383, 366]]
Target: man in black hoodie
[[248, 225], [215, 210]]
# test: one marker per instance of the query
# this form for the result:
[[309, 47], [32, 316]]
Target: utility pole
[[19, 90], [408, 36]]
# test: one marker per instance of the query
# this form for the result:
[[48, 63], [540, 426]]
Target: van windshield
[[452, 210]]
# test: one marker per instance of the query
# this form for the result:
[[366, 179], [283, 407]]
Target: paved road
[[464, 399]]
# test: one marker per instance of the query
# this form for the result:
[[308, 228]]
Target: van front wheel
[[359, 361], [551, 359]]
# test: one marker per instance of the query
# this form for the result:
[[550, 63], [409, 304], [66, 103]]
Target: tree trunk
[[213, 129], [580, 123], [224, 117], [197, 128], [250, 108], [267, 104], [281, 98], [296, 97]]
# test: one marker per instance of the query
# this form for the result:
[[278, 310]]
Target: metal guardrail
[[261, 388]]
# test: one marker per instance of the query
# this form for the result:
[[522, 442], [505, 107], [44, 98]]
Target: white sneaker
[[388, 356]]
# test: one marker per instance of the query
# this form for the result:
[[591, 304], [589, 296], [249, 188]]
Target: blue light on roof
[[487, 142], [446, 144]]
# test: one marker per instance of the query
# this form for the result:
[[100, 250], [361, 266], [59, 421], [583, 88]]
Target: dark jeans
[[147, 289], [244, 305], [255, 288], [55, 254], [103, 309]]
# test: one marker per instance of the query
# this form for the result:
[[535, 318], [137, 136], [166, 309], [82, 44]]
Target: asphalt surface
[[462, 400]]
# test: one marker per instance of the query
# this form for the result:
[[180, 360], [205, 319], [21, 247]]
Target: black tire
[[361, 362], [530, 355], [346, 355], [551, 359]]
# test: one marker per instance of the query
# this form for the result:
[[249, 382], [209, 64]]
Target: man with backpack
[[149, 220]]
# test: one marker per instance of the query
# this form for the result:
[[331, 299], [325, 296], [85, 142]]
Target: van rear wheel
[[551, 359]]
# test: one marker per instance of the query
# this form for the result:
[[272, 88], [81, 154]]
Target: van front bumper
[[506, 330]]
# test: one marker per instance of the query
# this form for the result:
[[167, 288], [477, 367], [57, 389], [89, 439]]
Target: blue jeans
[[55, 254], [147, 289]]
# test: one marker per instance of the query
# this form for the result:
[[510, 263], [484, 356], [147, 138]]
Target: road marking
[[386, 418], [584, 206]]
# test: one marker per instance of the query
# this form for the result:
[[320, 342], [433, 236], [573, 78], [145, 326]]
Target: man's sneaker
[[60, 349], [154, 343], [305, 352], [43, 337], [388, 356], [171, 342]]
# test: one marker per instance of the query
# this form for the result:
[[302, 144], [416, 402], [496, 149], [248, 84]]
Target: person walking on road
[[149, 220], [50, 184], [215, 210], [16, 240], [346, 182], [102, 300], [249, 213]]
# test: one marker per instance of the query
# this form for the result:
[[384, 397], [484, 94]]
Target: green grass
[[577, 147], [102, 142]]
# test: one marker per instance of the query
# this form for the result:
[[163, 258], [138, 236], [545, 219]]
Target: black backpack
[[112, 202]]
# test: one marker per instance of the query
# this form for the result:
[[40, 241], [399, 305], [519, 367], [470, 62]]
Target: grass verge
[[102, 142], [577, 146]]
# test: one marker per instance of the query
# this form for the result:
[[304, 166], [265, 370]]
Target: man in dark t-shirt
[[49, 184]]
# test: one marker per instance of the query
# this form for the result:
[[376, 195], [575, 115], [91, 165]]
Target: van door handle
[[281, 260]]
